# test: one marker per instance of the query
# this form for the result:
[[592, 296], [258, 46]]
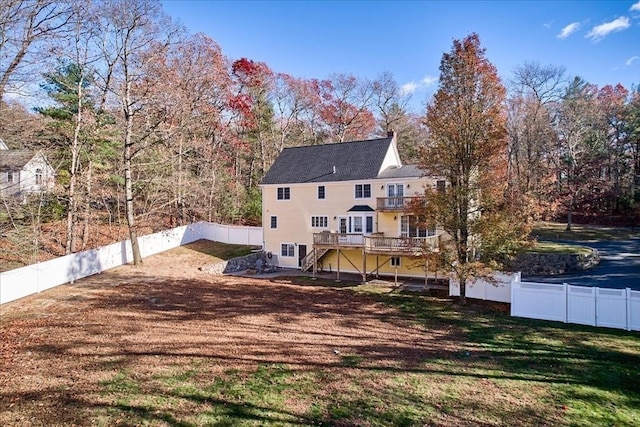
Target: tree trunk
[[87, 206], [128, 180]]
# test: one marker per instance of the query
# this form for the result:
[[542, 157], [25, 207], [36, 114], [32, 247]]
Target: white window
[[360, 224], [10, 177], [38, 176], [284, 193], [395, 261], [321, 192], [287, 250], [357, 224], [274, 221], [395, 195], [363, 191], [409, 227], [319, 222]]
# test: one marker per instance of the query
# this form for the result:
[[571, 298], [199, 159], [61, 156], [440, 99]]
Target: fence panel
[[633, 310], [487, 290], [18, 283], [31, 279], [581, 305], [611, 308], [55, 272], [543, 301]]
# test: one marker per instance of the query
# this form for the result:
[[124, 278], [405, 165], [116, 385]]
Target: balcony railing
[[374, 244], [395, 203]]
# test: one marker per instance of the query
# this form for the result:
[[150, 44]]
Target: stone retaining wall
[[532, 263], [257, 262]]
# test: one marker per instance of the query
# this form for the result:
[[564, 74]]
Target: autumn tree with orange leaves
[[467, 145]]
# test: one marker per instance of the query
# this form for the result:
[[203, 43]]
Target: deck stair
[[313, 257]]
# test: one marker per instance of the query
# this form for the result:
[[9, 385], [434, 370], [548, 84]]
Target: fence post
[[628, 299], [565, 287]]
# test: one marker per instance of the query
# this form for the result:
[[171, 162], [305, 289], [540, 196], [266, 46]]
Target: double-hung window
[[410, 227], [274, 221], [284, 193], [319, 222], [363, 191], [321, 192], [287, 250]]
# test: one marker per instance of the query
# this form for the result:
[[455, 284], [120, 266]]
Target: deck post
[[364, 265], [377, 266], [338, 269]]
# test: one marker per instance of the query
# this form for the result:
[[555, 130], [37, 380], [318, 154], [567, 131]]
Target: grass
[[557, 231], [546, 247], [219, 250], [498, 371]]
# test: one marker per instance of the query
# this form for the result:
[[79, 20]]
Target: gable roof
[[346, 161], [15, 159], [404, 171]]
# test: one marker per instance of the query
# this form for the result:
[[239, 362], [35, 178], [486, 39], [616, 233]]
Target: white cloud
[[631, 60], [568, 30], [413, 86], [429, 81], [635, 7], [601, 31]]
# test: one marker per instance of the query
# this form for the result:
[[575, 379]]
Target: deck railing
[[376, 243], [395, 203]]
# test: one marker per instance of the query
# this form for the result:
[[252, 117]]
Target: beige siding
[[294, 215], [408, 266]]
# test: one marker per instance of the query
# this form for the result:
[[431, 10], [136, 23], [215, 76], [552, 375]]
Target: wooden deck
[[376, 244]]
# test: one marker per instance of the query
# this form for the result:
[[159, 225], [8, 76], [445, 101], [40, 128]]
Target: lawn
[[168, 345], [557, 231]]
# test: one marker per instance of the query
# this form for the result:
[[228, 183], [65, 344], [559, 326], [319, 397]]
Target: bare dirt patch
[[67, 352]]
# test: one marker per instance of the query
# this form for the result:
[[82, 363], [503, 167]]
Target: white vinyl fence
[[499, 289], [38, 277], [612, 308]]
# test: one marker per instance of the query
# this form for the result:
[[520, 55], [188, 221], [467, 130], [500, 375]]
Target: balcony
[[376, 244], [395, 204]]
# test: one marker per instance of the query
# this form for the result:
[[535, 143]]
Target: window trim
[[289, 246], [324, 192], [428, 232], [362, 191], [273, 222], [38, 176], [319, 221], [286, 193], [395, 261]]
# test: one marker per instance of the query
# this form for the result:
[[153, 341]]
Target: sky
[[596, 40]]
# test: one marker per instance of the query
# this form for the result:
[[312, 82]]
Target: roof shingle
[[351, 161]]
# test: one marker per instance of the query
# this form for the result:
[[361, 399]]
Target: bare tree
[[137, 32], [25, 27]]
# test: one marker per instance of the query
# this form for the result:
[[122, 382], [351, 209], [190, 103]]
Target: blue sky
[[596, 40]]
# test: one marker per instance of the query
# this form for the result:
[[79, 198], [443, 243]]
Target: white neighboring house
[[24, 172]]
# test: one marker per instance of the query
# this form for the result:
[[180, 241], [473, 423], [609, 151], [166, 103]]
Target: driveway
[[619, 266]]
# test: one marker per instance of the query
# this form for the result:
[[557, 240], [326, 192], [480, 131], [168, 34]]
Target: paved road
[[619, 266]]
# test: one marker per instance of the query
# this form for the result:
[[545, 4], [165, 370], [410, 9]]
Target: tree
[[24, 28], [580, 147], [345, 108], [467, 146], [137, 34], [531, 110]]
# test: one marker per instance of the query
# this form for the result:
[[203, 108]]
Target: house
[[24, 172], [343, 208]]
